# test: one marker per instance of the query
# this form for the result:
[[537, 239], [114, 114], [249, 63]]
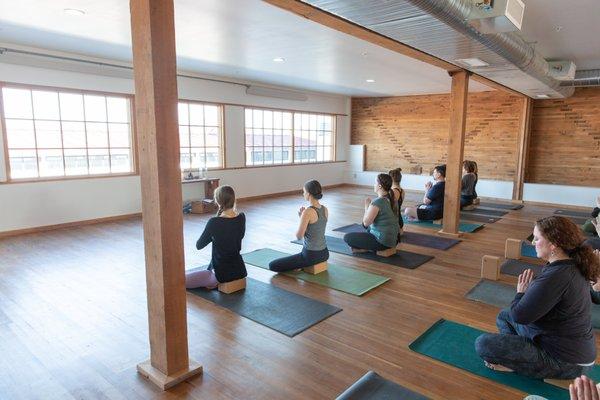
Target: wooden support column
[[523, 152], [153, 40], [456, 144]]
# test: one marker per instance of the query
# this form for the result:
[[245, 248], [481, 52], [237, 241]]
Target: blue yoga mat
[[528, 250]]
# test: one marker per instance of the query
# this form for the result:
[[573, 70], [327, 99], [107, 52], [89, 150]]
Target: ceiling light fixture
[[279, 59], [472, 62], [74, 11], [370, 80], [542, 96]]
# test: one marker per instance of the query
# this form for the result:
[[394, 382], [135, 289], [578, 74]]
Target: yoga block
[[512, 250], [470, 207], [387, 253], [233, 286], [490, 268], [563, 383], [476, 201], [438, 221], [316, 269]]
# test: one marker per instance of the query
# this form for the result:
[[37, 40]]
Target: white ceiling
[[240, 38]]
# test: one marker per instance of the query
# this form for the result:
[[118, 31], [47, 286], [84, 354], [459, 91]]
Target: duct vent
[[562, 70], [497, 16]]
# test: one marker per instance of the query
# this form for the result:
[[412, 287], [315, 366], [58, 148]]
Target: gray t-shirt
[[314, 237], [468, 184]]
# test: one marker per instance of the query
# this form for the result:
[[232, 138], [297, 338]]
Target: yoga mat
[[462, 227], [479, 218], [414, 238], [528, 250], [501, 295], [501, 206], [484, 211], [374, 387], [454, 344], [404, 259], [573, 213], [517, 267], [339, 278], [278, 309]]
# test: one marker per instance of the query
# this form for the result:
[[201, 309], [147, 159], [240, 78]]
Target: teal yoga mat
[[501, 295], [462, 227], [528, 250], [278, 309], [346, 280], [454, 344]]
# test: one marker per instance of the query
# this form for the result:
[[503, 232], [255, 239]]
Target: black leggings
[[363, 241], [304, 259]]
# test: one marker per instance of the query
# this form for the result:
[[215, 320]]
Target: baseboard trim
[[282, 194], [73, 224]]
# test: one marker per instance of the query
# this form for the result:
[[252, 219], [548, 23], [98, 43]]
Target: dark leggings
[[305, 258], [466, 200], [363, 241]]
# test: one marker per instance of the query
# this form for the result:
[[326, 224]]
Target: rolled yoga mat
[[454, 344], [414, 238], [462, 227], [501, 295], [517, 267], [573, 213], [501, 206], [478, 218], [339, 278], [278, 309], [374, 387], [404, 259], [486, 211]]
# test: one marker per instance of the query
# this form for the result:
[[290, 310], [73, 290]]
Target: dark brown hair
[[563, 233], [469, 166], [441, 169], [314, 189], [386, 184], [225, 198], [396, 174]]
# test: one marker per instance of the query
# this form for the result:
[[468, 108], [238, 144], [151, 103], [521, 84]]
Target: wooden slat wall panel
[[565, 140], [412, 131]]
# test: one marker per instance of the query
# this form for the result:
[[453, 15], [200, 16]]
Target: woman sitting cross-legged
[[313, 220], [380, 219], [433, 201], [547, 331], [467, 187], [225, 231]]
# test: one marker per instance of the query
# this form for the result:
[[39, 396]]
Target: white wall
[[27, 205], [559, 194]]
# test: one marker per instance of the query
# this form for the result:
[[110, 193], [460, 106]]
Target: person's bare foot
[[497, 367]]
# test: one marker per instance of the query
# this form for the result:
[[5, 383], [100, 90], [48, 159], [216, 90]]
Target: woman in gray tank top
[[313, 220]]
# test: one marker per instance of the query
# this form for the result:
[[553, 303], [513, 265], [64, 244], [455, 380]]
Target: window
[[200, 135], [53, 133], [285, 137]]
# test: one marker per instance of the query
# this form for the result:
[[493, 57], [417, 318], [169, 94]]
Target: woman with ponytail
[[547, 330], [225, 231], [380, 220], [433, 201], [313, 220]]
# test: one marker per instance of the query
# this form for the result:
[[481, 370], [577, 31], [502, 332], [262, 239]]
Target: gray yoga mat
[[517, 267], [414, 238], [374, 387], [573, 213], [478, 218], [486, 211], [501, 295], [278, 309], [404, 259], [501, 206]]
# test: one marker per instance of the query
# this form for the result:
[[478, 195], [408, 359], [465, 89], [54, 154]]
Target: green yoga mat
[[268, 305], [462, 227], [346, 280], [501, 295], [453, 343]]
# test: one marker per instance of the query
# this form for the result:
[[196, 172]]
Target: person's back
[[385, 226], [226, 235], [468, 185], [314, 236]]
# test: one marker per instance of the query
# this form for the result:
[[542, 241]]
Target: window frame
[[133, 134], [221, 109], [293, 146]]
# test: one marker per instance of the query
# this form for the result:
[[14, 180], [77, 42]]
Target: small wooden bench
[[512, 250], [316, 269], [387, 253], [470, 207], [490, 267], [233, 286]]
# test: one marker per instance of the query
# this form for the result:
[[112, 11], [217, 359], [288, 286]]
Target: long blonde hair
[[225, 198]]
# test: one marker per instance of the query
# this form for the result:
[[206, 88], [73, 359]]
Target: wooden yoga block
[[512, 249], [476, 201], [490, 267], [233, 286], [438, 221], [387, 253], [316, 269], [563, 383], [470, 207]]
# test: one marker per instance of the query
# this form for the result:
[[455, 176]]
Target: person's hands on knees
[[583, 388]]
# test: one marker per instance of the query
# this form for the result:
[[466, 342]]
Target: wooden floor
[[73, 322]]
